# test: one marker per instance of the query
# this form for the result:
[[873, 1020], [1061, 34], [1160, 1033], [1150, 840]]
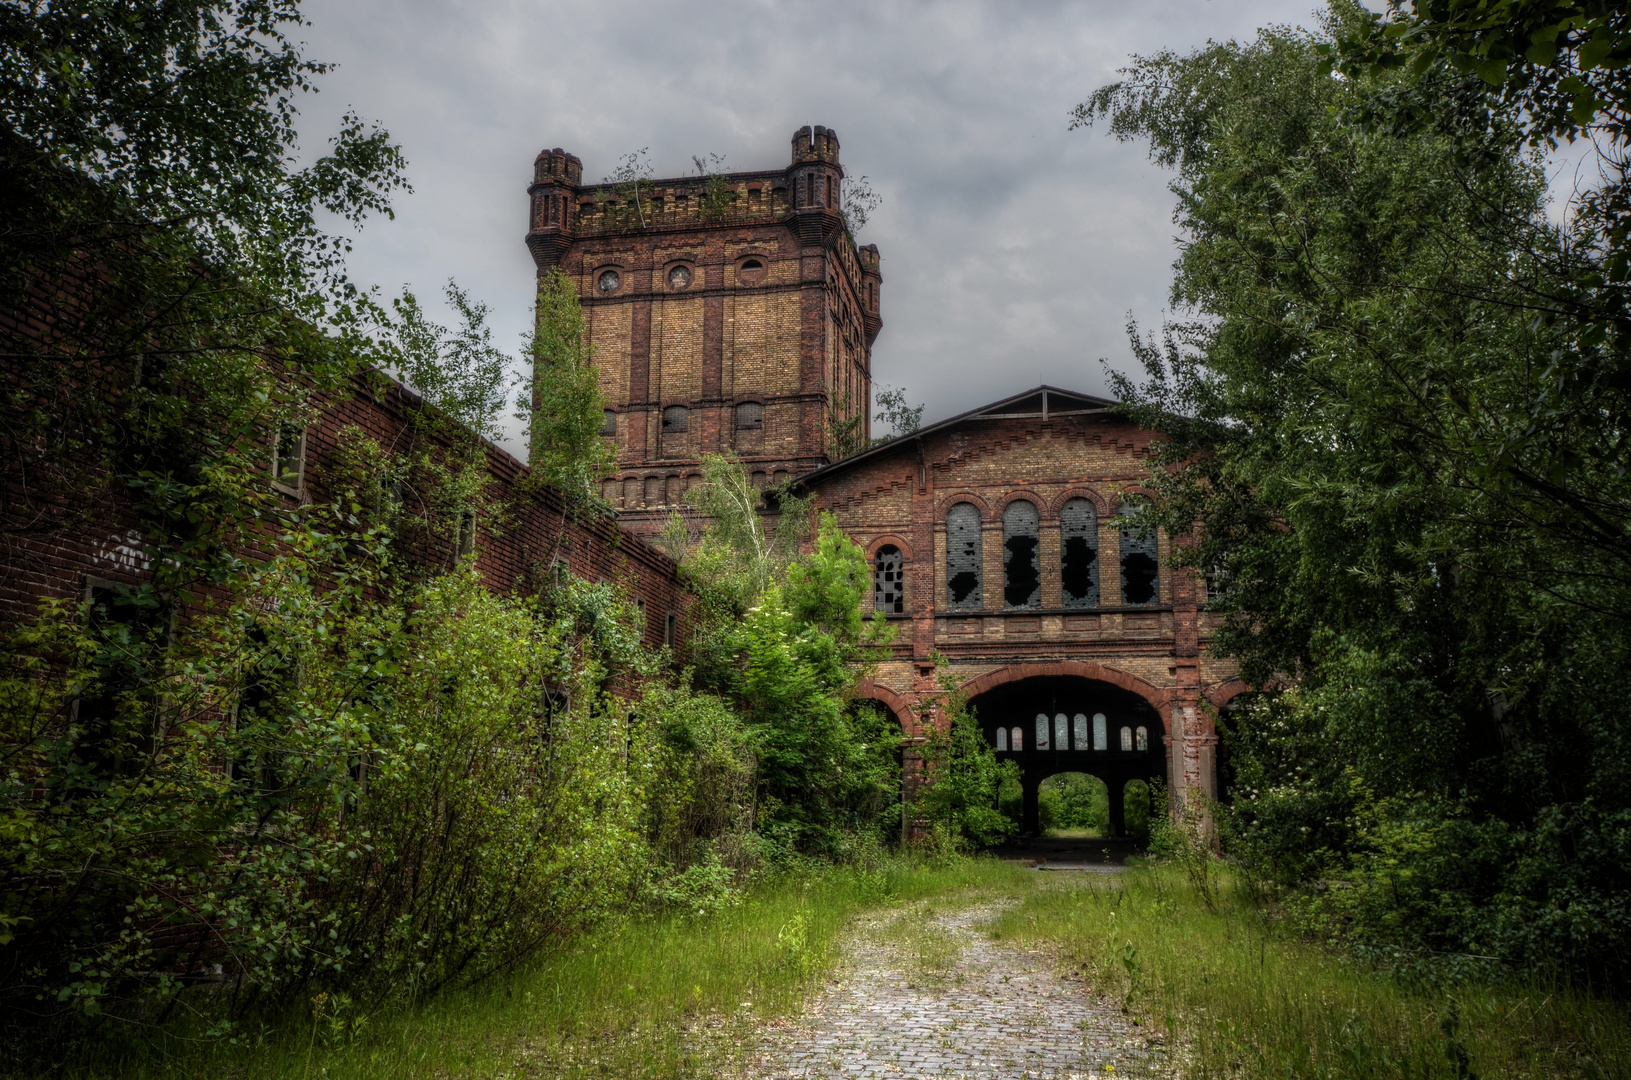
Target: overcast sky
[[1013, 249]]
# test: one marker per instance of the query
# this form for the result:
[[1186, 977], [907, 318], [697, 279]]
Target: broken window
[[289, 458], [1022, 582], [676, 418], [1079, 553], [1082, 742], [1061, 732], [1002, 738], [750, 415], [1140, 573], [963, 558], [1041, 731], [889, 581], [1143, 737], [608, 424]]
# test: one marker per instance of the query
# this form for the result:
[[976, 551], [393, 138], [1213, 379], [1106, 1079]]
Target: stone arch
[[1225, 692], [1156, 697], [1129, 489], [1023, 495], [945, 505], [900, 706], [892, 539], [1101, 505]]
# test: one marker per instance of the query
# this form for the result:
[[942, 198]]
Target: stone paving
[[939, 999]]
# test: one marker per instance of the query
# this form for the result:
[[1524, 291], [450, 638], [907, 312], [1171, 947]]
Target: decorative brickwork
[[1042, 477], [749, 292]]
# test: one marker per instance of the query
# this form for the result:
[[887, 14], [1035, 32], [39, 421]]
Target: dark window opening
[[115, 734], [1079, 554], [889, 581], [289, 457], [676, 418], [670, 628], [609, 426], [1022, 580], [1140, 571], [749, 415], [466, 538], [751, 272], [963, 554], [753, 264]]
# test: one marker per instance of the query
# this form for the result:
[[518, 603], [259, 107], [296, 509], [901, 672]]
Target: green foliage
[[1239, 991], [780, 635], [624, 204], [1074, 801], [565, 412], [1417, 499], [846, 427], [903, 419], [962, 777], [859, 204], [717, 194]]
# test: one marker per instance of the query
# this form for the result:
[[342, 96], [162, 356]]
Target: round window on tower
[[679, 277], [752, 272], [608, 281]]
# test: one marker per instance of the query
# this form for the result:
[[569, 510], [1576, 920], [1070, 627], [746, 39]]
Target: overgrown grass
[[1242, 995], [669, 997]]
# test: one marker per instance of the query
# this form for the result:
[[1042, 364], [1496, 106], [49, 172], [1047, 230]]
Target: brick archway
[[1157, 697], [899, 705]]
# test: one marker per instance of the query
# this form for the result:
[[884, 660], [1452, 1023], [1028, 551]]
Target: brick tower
[[727, 313]]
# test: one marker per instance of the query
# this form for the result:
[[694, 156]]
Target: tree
[[780, 634], [903, 419], [1419, 511], [566, 409], [174, 260]]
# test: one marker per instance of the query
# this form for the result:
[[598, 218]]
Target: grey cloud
[[1013, 249]]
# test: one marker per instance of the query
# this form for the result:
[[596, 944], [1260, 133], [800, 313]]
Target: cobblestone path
[[929, 995]]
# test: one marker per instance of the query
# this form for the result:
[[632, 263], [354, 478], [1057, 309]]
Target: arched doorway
[[1050, 724]]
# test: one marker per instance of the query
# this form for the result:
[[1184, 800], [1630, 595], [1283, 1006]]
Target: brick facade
[[708, 299], [56, 549], [1141, 665]]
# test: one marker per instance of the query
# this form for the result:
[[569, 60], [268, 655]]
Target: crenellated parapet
[[814, 181], [556, 178]]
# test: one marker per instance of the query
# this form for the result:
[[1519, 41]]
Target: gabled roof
[[1044, 401]]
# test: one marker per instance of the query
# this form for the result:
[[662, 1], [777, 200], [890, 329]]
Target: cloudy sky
[[1013, 249]]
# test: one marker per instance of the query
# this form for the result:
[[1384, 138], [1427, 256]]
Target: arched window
[[1017, 739], [1101, 732], [1022, 582], [889, 581], [1126, 739], [1143, 737], [1061, 732], [749, 415], [1002, 738], [608, 423], [1082, 742], [1140, 573], [676, 418], [1079, 553], [963, 558], [1041, 731]]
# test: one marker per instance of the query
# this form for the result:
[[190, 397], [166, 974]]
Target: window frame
[[298, 488]]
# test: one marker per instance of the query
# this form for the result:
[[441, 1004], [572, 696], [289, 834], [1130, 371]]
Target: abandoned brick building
[[735, 313]]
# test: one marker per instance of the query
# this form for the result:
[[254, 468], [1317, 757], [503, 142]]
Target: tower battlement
[[815, 144], [557, 167], [728, 313]]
